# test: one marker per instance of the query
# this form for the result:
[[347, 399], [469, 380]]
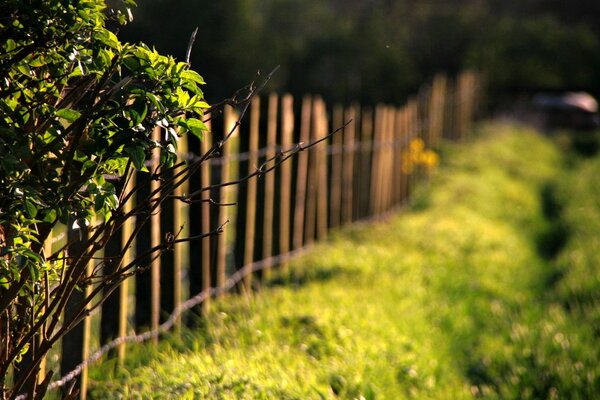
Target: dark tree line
[[379, 50]]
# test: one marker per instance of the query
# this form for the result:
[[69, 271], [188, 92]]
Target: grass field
[[488, 286]]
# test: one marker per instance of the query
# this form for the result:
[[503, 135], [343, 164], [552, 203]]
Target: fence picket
[[348, 165], [249, 234], [302, 178], [230, 120], [181, 214], [269, 203], [287, 132], [320, 152], [366, 161], [205, 171], [128, 228], [336, 169], [155, 240]]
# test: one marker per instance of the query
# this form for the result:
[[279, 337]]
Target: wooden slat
[[73, 342], [312, 180], [155, 241], [251, 193], [87, 333], [398, 156], [348, 166], [205, 146], [390, 166], [321, 171], [267, 248], [404, 148], [181, 213], [366, 138], [128, 256], [47, 254], [223, 196], [336, 168], [301, 180], [414, 129], [287, 132], [386, 168], [374, 189], [383, 164]]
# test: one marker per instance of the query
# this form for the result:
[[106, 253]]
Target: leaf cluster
[[77, 112]]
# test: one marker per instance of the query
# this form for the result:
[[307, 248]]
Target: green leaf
[[138, 156], [193, 76], [99, 202], [38, 61], [30, 208], [50, 216], [196, 127], [68, 114], [108, 38], [35, 273], [24, 69], [131, 63], [138, 111], [89, 164], [155, 100], [112, 201]]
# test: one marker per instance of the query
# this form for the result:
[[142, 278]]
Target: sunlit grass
[[448, 300]]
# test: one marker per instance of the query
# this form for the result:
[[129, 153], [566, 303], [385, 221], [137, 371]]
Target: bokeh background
[[379, 50]]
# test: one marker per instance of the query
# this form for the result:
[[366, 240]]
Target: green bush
[[76, 106]]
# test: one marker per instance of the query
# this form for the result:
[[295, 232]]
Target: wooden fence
[[365, 170]]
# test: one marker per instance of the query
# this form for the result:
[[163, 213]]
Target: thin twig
[[188, 52]]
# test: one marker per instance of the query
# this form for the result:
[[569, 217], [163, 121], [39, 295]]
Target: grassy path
[[476, 291]]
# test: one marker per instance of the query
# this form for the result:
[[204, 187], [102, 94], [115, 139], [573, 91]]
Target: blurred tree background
[[379, 50]]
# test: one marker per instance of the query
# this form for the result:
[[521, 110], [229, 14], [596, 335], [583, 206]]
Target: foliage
[[381, 50], [77, 106], [451, 300]]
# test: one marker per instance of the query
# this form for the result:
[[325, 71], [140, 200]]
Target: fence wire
[[239, 275]]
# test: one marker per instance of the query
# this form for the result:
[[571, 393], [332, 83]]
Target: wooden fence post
[[399, 127], [205, 172], [250, 227], [375, 156], [366, 146], [73, 342], [128, 229], [221, 267], [404, 146], [87, 335], [436, 110], [155, 240], [269, 203], [321, 170], [450, 120], [287, 132], [357, 155], [311, 187], [47, 254], [336, 168], [390, 158], [348, 165], [181, 215], [383, 163], [301, 180]]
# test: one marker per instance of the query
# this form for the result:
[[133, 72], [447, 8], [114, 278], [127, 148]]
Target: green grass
[[487, 287]]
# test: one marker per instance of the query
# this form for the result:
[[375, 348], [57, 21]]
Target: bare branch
[[188, 52]]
